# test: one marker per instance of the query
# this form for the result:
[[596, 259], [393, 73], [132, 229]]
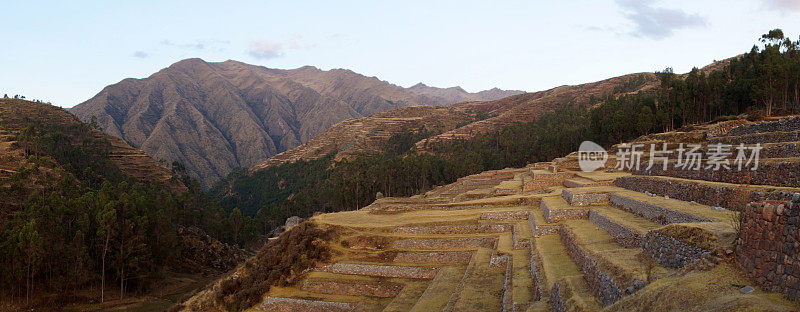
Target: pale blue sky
[[67, 51]]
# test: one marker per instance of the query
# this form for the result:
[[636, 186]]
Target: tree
[[30, 243], [105, 219], [235, 219]]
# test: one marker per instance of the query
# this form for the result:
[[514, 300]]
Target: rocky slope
[[214, 117]]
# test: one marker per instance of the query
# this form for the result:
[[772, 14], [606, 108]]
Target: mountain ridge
[[214, 117]]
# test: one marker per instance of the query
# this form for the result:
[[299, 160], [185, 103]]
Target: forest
[[83, 223], [763, 81]]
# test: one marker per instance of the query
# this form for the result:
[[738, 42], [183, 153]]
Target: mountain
[[214, 117], [464, 120], [527, 107]]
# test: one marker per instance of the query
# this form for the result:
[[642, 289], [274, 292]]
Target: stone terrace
[[551, 238]]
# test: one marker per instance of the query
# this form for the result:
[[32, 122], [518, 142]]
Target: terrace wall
[[653, 212], [713, 195], [768, 248], [584, 199], [783, 173], [622, 235], [670, 252], [555, 215], [604, 286], [445, 243], [785, 125]]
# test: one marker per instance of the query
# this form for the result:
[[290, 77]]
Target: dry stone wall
[[380, 270], [505, 215], [622, 235], [352, 288], [772, 137], [653, 212], [445, 243], [785, 125], [729, 197], [537, 185], [670, 252], [607, 289], [291, 304], [558, 298], [540, 229], [455, 229], [555, 215], [768, 248], [584, 199], [434, 257], [778, 173]]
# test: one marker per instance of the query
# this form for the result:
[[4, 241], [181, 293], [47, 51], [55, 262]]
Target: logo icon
[[591, 156]]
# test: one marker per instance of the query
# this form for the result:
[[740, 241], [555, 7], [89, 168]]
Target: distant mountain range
[[214, 117]]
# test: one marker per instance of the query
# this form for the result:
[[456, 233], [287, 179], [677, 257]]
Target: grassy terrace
[[625, 264], [482, 285], [602, 176], [558, 203], [364, 219], [704, 291], [515, 183], [406, 299], [522, 282], [578, 295], [628, 220], [439, 290], [556, 262], [699, 210]]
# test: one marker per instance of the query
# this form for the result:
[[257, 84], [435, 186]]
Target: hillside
[[17, 114], [549, 237], [213, 117], [454, 122], [369, 135], [73, 197], [527, 107]]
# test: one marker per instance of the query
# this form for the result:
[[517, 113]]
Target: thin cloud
[[782, 5], [140, 54], [657, 23], [265, 49], [218, 45]]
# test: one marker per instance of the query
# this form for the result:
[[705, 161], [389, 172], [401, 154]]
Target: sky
[[65, 52]]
